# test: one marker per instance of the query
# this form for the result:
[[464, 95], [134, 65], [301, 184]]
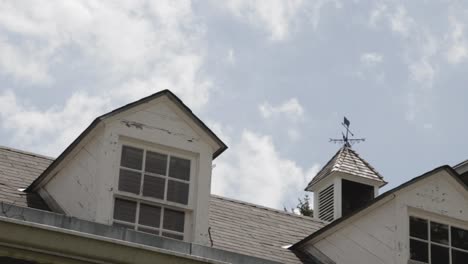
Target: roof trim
[[465, 162], [339, 222], [310, 184], [119, 110]]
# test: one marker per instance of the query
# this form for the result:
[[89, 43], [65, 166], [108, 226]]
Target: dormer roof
[[346, 160], [220, 145]]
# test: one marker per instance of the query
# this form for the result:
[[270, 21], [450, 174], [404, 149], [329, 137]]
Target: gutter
[[33, 231]]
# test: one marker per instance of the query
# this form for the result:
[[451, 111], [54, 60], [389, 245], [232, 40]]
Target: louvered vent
[[326, 204]]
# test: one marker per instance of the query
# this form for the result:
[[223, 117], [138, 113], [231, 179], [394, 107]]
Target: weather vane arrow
[[346, 140]]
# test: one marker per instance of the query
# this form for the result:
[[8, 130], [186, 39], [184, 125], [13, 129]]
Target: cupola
[[346, 183]]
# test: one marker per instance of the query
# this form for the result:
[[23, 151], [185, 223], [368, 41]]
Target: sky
[[272, 78]]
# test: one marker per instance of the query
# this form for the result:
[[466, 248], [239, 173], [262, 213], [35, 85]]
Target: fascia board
[[68, 154], [58, 242]]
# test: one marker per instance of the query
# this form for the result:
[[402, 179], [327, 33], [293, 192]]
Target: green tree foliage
[[303, 207]]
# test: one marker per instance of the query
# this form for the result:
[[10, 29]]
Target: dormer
[[346, 183], [144, 166], [462, 170]]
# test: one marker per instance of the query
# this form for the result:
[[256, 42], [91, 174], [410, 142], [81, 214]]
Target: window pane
[[124, 210], [459, 238], [439, 255], [129, 181], [156, 163], [179, 168], [153, 187], [419, 251], [174, 220], [131, 157], [439, 233], [150, 215], [418, 227], [459, 257], [148, 230], [177, 192], [174, 236]]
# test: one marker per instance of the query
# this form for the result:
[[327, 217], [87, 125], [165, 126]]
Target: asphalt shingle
[[17, 170], [258, 231]]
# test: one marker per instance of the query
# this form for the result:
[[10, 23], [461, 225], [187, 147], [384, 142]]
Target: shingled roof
[[17, 170], [258, 231], [348, 161], [236, 226]]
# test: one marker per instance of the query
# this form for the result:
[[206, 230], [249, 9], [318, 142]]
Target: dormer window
[[153, 191], [433, 242]]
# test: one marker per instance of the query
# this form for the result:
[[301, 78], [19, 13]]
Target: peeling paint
[[133, 124], [141, 126]]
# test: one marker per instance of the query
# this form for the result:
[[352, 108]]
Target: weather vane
[[346, 140]]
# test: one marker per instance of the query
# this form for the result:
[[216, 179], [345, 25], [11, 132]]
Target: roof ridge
[[265, 208], [27, 153]]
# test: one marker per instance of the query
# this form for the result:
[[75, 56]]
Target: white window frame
[[163, 203], [438, 220], [160, 229]]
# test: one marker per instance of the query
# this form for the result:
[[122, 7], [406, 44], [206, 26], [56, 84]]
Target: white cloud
[[457, 50], [422, 71], [291, 108], [253, 170], [396, 16], [376, 14], [22, 63], [314, 8], [428, 126], [49, 131], [221, 131], [275, 16], [400, 21], [420, 51], [422, 74], [231, 57], [294, 134], [152, 44], [371, 58], [133, 48], [180, 75]]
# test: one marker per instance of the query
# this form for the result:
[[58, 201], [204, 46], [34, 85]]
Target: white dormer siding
[[87, 185], [381, 233]]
